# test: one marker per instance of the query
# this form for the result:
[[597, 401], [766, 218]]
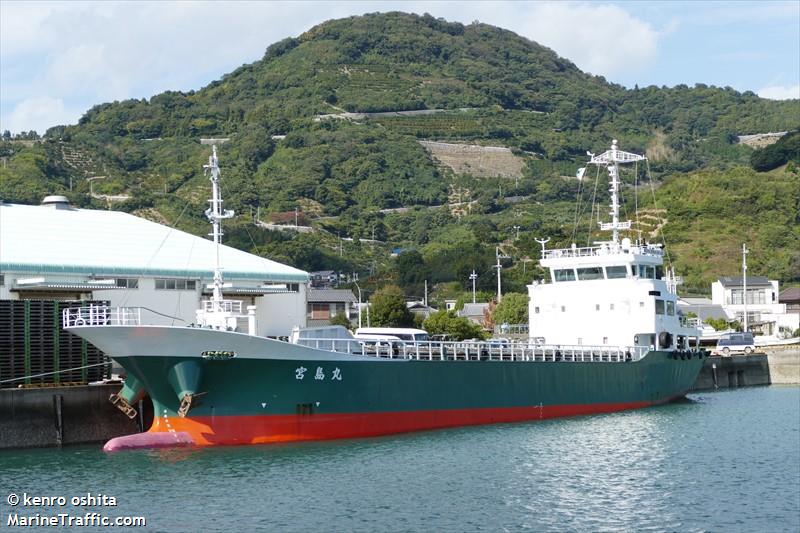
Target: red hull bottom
[[266, 429]]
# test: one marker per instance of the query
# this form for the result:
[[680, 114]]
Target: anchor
[[122, 404], [188, 401]]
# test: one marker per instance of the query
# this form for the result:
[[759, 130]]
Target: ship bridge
[[606, 260]]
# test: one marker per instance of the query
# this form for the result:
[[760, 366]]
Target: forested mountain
[[482, 85]]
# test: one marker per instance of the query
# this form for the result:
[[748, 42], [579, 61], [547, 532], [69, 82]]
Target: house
[[791, 297], [324, 304], [419, 308], [704, 308], [324, 279], [765, 314], [475, 312]]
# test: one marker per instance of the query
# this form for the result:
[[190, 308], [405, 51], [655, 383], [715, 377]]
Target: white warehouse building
[[57, 252]]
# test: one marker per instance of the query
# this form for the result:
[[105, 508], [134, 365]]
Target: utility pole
[[473, 277], [359, 303], [425, 300], [295, 217], [525, 260], [745, 251], [516, 228], [498, 266]]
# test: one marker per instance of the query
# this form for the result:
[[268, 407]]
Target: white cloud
[[600, 38], [38, 113], [778, 92]]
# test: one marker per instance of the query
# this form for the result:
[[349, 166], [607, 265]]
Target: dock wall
[[784, 365], [776, 366], [52, 416]]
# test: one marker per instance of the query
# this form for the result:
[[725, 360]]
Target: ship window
[[659, 272], [563, 308], [670, 308], [128, 283], [616, 272], [564, 274], [596, 307], [535, 309], [641, 304], [590, 273], [659, 307], [605, 340], [611, 307]]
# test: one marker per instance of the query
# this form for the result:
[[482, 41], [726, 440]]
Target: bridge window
[[646, 271], [670, 308], [659, 307], [616, 272], [590, 273], [565, 274]]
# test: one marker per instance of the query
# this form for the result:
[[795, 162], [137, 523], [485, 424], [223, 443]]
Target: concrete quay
[[777, 365], [53, 416]]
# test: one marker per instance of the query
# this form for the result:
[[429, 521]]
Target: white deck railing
[[102, 315], [602, 250], [477, 351]]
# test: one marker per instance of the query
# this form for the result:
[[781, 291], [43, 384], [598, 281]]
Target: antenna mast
[[215, 215], [611, 159]]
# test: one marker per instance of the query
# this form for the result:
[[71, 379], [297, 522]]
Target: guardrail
[[594, 251], [103, 315], [510, 329], [477, 351]]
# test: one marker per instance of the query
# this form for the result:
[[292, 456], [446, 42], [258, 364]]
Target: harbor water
[[719, 461]]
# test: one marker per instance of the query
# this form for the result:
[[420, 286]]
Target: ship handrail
[[602, 250], [104, 315], [477, 350]]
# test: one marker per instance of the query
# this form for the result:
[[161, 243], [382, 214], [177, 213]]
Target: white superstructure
[[613, 293]]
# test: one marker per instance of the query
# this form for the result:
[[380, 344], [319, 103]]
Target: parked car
[[736, 342]]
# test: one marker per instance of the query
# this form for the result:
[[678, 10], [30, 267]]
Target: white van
[[736, 342]]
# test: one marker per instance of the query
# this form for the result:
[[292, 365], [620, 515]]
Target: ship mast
[[215, 215], [611, 159]]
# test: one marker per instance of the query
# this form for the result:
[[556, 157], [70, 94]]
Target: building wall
[[276, 314]]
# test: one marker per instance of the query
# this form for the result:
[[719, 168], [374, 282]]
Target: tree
[[455, 327], [512, 309], [341, 319], [388, 308]]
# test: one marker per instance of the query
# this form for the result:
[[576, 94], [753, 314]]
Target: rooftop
[[331, 295], [41, 239], [790, 295], [737, 281]]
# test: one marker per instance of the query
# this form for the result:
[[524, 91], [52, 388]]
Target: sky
[[58, 59]]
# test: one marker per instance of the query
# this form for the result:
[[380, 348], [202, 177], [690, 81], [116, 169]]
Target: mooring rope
[[56, 372]]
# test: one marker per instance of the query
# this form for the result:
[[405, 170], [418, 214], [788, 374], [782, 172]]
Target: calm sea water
[[721, 461]]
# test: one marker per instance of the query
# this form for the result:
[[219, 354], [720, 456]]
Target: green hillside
[[484, 86]]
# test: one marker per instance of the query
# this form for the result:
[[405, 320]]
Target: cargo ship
[[605, 335]]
